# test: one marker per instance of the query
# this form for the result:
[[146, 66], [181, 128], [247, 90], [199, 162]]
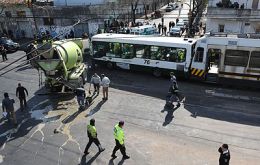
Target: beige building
[[231, 17]]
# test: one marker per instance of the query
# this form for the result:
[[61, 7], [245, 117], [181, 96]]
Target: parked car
[[9, 44], [186, 21], [175, 31], [168, 9], [174, 5], [180, 24]]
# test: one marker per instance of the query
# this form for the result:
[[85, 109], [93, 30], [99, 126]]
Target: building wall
[[235, 20], [19, 26], [248, 3], [231, 26]]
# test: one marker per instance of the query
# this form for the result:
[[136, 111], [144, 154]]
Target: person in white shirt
[[95, 80], [105, 84]]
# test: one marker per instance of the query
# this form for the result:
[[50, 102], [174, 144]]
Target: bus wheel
[[157, 72], [110, 65]]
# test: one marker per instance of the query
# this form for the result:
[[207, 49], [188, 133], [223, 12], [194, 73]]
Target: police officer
[[92, 135], [120, 140], [224, 155]]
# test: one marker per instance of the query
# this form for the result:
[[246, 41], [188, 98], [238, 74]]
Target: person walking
[[8, 107], [3, 52], [81, 94], [95, 80], [20, 93], [174, 88], [105, 84], [120, 140], [224, 157], [92, 135], [159, 28]]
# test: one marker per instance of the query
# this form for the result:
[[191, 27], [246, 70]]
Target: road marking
[[238, 97], [2, 158]]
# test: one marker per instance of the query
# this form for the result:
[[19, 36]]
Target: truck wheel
[[110, 65], [157, 72]]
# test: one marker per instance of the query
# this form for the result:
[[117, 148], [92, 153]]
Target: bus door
[[198, 66]]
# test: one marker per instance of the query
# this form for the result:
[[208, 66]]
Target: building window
[[147, 7], [8, 14], [21, 14], [48, 21], [221, 28]]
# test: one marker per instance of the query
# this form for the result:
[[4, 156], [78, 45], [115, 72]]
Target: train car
[[227, 59]]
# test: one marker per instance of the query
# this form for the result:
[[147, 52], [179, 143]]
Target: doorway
[[214, 56]]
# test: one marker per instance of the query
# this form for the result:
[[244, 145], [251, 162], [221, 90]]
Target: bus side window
[[199, 55], [172, 55], [117, 50], [128, 51]]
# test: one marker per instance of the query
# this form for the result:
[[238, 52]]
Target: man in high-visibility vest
[[92, 135], [120, 140]]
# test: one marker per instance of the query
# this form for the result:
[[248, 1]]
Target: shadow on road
[[197, 101], [169, 117], [38, 107], [96, 108], [90, 161]]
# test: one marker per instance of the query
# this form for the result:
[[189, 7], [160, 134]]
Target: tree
[[134, 4], [145, 3], [198, 7]]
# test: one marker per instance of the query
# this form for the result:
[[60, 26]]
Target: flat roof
[[233, 41], [143, 39]]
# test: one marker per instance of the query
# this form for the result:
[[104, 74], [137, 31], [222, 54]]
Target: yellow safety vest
[[92, 130], [119, 134]]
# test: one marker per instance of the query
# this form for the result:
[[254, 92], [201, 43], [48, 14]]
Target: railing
[[214, 12]]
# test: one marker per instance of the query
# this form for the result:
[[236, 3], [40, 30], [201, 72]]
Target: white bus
[[135, 52]]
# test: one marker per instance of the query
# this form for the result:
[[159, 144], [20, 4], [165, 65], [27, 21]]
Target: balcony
[[234, 14]]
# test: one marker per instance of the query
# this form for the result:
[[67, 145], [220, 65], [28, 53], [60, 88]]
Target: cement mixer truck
[[62, 63]]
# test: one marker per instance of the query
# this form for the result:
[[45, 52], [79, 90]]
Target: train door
[[214, 56]]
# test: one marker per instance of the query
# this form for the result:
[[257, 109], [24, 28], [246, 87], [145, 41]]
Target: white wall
[[230, 26], [77, 2]]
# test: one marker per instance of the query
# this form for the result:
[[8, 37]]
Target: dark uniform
[[3, 52], [224, 157], [20, 93], [92, 135], [174, 89]]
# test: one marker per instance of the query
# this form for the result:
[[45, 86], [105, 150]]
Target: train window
[[255, 59], [199, 55], [236, 57]]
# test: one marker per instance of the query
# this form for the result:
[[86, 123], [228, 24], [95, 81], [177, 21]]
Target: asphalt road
[[53, 132]]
